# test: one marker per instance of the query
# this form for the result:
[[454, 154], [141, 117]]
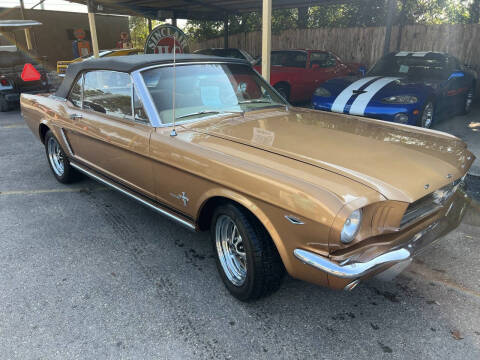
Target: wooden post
[[93, 27], [28, 38], [266, 38], [149, 21], [391, 4], [225, 32], [174, 21]]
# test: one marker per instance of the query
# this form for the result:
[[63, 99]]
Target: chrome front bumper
[[448, 220]]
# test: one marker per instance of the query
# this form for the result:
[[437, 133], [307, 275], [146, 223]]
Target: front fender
[[255, 209]]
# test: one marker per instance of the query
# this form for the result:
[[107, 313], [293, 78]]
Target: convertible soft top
[[131, 63]]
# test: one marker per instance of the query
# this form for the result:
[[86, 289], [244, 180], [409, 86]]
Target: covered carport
[[213, 10]]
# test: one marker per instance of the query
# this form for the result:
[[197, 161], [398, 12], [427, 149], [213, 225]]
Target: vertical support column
[[28, 37], [149, 22], [174, 21], [225, 32], [266, 38], [391, 4], [93, 27]]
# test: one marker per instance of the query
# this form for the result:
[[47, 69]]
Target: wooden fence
[[365, 44]]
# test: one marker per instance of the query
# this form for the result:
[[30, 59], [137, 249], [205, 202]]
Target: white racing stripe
[[360, 104], [342, 98]]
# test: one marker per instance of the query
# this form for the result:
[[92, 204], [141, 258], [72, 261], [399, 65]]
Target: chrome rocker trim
[[135, 197], [354, 270]]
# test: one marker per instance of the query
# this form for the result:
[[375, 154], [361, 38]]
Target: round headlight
[[400, 99], [322, 92], [351, 226]]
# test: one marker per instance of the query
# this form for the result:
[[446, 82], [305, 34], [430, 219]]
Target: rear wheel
[[58, 161], [246, 257], [427, 116], [284, 90], [3, 104], [467, 104]]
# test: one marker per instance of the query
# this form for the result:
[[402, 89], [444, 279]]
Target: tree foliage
[[355, 13], [139, 30]]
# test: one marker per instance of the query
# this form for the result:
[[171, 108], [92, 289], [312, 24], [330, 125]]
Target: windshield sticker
[[263, 137], [403, 69], [210, 96]]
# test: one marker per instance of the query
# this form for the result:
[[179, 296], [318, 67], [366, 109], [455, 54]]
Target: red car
[[297, 73]]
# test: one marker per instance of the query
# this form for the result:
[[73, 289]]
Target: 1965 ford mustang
[[332, 199]]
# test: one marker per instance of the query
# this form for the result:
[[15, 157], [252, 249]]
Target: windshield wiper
[[207, 112], [255, 101]]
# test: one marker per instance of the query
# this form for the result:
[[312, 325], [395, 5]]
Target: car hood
[[401, 162], [391, 84]]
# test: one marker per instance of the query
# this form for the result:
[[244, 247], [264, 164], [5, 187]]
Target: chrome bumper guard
[[411, 248]]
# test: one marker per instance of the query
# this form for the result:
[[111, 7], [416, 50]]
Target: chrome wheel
[[427, 115], [55, 156], [230, 249], [468, 101]]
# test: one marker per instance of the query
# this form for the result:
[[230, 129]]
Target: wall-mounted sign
[[163, 38]]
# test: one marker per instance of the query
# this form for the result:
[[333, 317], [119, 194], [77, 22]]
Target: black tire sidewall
[[244, 291], [464, 110], [283, 90], [420, 121], [68, 172], [4, 106]]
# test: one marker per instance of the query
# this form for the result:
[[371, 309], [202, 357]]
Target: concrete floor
[[466, 128], [89, 274]]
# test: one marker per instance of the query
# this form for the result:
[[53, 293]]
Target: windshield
[[102, 53], [412, 67], [208, 89]]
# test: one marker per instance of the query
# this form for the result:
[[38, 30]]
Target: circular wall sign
[[162, 39], [79, 34]]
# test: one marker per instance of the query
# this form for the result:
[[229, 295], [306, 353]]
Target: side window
[[138, 110], [108, 92], [76, 92], [322, 59], [332, 60]]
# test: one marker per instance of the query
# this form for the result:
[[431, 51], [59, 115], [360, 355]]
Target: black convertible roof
[[132, 63]]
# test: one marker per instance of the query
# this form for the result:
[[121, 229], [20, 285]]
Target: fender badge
[[426, 186], [182, 197]]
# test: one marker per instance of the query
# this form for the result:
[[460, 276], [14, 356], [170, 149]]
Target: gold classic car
[[331, 199], [62, 65]]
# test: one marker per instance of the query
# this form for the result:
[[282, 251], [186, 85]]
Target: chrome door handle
[[75, 116]]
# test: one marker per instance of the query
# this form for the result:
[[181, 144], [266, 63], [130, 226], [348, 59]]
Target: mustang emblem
[[182, 197]]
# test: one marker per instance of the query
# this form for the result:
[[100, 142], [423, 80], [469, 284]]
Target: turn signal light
[[4, 82]]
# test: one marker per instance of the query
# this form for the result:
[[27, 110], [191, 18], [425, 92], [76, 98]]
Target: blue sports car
[[415, 88]]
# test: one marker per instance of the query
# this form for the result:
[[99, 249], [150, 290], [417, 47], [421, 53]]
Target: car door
[[105, 135]]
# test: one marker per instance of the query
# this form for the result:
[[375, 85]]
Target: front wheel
[[427, 116], [58, 161], [246, 256], [284, 90]]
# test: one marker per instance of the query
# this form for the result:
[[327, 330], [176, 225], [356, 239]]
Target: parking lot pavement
[[89, 274], [468, 129]]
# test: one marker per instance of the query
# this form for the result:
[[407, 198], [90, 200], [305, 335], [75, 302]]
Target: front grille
[[428, 204], [420, 209]]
